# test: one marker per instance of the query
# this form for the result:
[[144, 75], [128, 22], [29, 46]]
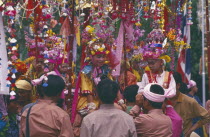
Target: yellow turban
[[23, 84]]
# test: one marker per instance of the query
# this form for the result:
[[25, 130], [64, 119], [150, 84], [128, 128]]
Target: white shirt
[[170, 92]]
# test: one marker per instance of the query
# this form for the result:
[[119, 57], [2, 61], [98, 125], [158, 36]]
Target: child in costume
[[93, 72], [155, 55]]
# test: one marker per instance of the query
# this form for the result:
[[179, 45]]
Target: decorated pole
[[203, 57], [208, 44], [125, 58], [70, 57]]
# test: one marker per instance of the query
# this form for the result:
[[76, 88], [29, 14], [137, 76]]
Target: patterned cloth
[[13, 129]]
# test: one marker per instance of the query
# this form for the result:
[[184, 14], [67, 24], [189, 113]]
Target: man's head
[[54, 86], [23, 90], [107, 91], [63, 68], [12, 105], [192, 86], [178, 80], [153, 96], [155, 65], [130, 93], [39, 64]]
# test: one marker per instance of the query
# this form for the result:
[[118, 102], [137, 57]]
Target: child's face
[[98, 60], [13, 107], [155, 65]]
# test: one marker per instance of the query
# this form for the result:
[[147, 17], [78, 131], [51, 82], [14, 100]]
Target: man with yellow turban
[[24, 93]]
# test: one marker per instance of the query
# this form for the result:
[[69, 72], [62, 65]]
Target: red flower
[[1, 8]]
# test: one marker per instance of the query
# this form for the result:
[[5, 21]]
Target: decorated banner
[[4, 89]]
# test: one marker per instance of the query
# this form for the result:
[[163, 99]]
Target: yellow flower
[[166, 58], [106, 62], [138, 24], [107, 52], [89, 29], [100, 49], [93, 52]]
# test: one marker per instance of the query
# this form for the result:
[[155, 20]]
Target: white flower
[[103, 46], [13, 40], [12, 93]]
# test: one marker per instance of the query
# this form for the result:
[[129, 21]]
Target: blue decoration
[[11, 17], [14, 71], [45, 56], [13, 81], [2, 123], [13, 44], [45, 85], [43, 2]]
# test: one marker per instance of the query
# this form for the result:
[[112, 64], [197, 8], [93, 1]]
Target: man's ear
[[178, 85]]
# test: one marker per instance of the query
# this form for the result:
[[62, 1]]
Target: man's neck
[[54, 99]]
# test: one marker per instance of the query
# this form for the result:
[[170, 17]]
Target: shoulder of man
[[27, 106], [188, 99]]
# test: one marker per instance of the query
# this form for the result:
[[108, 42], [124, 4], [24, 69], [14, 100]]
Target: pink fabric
[[62, 96], [191, 84], [176, 121], [119, 42], [51, 60], [156, 97], [152, 96], [39, 80]]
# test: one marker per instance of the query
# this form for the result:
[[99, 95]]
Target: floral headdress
[[96, 47], [155, 46], [97, 44]]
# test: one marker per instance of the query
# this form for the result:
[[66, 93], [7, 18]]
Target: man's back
[[108, 122], [153, 124], [47, 120]]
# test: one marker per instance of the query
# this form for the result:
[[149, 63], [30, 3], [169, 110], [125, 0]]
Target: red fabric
[[30, 5], [165, 18], [150, 77], [181, 65]]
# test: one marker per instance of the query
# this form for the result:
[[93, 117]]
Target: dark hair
[[55, 85], [107, 91], [177, 77], [157, 89], [8, 100], [130, 93], [183, 88]]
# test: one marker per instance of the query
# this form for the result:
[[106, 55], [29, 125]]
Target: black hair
[[130, 93], [55, 85], [40, 91], [107, 91], [157, 89], [177, 77], [183, 88]]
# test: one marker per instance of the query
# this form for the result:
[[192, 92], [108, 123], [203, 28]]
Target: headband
[[152, 96], [191, 84]]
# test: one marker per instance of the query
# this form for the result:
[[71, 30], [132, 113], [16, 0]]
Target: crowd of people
[[103, 105]]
